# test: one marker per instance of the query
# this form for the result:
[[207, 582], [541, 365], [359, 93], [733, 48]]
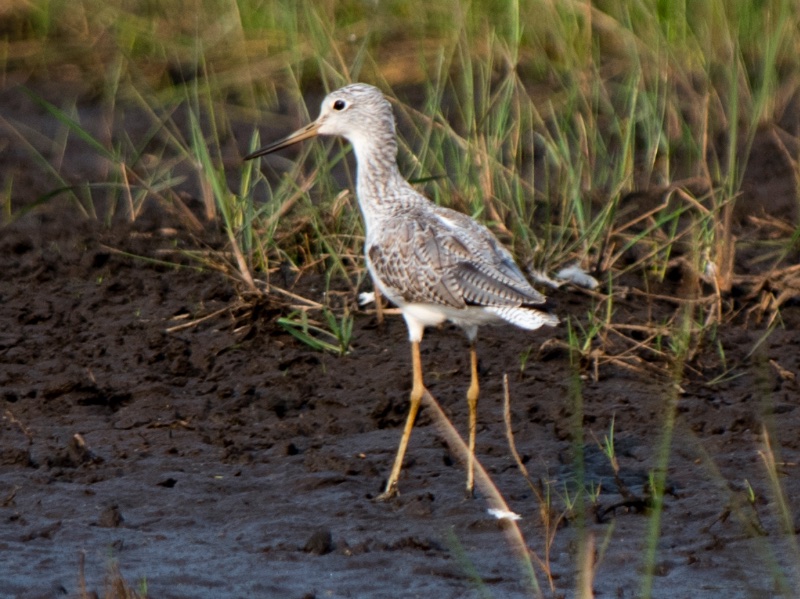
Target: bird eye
[[339, 105]]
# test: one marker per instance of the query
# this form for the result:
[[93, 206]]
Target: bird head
[[358, 112]]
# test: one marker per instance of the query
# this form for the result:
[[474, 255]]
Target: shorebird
[[434, 263]]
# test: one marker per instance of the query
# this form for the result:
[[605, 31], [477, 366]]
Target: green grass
[[539, 118], [549, 121]]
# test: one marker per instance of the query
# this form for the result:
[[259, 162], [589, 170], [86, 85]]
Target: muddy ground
[[228, 459]]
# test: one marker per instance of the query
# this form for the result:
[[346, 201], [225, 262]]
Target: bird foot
[[388, 494]]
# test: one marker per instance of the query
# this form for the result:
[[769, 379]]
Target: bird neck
[[379, 183]]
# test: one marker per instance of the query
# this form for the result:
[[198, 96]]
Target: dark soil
[[228, 459]]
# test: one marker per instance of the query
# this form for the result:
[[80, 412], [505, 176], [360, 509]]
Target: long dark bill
[[309, 130]]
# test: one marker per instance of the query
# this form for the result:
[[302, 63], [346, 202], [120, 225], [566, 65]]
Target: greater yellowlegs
[[434, 263]]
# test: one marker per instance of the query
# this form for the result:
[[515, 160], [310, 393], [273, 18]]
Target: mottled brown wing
[[411, 263], [444, 257], [483, 269]]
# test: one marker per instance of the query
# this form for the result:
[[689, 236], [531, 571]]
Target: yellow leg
[[417, 390], [378, 306], [472, 402]]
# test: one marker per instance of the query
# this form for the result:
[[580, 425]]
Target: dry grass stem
[[484, 482]]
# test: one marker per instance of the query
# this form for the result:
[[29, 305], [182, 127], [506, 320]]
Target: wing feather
[[439, 256], [410, 265]]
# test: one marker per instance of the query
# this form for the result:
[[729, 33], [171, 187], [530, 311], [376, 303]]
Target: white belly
[[419, 316]]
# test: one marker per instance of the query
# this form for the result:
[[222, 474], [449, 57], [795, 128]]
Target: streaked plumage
[[434, 263], [452, 265]]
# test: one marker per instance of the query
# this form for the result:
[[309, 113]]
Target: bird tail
[[526, 318]]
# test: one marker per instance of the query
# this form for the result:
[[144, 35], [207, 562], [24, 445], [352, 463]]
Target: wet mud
[[228, 459]]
